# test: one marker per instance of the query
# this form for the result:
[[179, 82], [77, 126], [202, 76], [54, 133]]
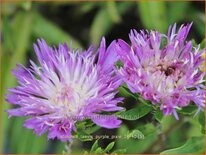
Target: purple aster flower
[[69, 86], [168, 75]]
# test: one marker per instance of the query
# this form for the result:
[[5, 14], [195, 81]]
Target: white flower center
[[164, 76]]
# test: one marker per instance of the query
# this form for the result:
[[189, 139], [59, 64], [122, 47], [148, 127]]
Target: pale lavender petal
[[106, 121]]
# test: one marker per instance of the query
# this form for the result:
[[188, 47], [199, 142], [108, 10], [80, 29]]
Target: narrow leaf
[[194, 145], [119, 151], [94, 146], [136, 134], [103, 22], [113, 12], [21, 33], [109, 147], [51, 32], [189, 110], [158, 115], [99, 151], [153, 14], [135, 113]]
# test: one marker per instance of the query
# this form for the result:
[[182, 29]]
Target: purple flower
[[168, 75], [69, 86]]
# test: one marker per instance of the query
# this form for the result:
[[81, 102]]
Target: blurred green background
[[84, 23]]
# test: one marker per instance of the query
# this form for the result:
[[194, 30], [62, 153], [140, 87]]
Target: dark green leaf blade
[[158, 115], [188, 110], [194, 145], [135, 113], [51, 32], [94, 146], [153, 15], [109, 147]]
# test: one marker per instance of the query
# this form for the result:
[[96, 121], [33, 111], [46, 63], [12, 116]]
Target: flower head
[[69, 86], [167, 75]]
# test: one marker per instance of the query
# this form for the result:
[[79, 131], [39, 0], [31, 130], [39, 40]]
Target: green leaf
[[49, 31], [8, 41], [153, 14], [201, 120], [26, 5], [194, 145], [85, 7], [163, 42], [21, 33], [194, 44], [92, 129], [109, 147], [188, 110], [145, 102], [124, 91], [94, 146], [84, 137], [135, 113], [119, 151], [147, 129], [59, 147], [158, 115], [84, 129], [103, 22], [136, 134], [134, 146], [8, 9], [98, 150], [202, 44], [113, 12], [198, 22], [30, 143], [177, 11]]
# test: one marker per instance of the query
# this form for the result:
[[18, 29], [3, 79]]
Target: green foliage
[[51, 32], [135, 113], [113, 12], [37, 144], [85, 129], [124, 91], [119, 151], [19, 34], [109, 147], [201, 121], [95, 149], [188, 110], [105, 19], [136, 134], [153, 15], [99, 26], [202, 44], [158, 115], [177, 11], [94, 146], [194, 145], [143, 137]]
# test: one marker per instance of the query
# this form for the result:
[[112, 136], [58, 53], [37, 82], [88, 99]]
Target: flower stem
[[67, 147]]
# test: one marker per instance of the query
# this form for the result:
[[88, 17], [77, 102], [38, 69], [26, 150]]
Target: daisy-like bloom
[[168, 76], [69, 86]]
